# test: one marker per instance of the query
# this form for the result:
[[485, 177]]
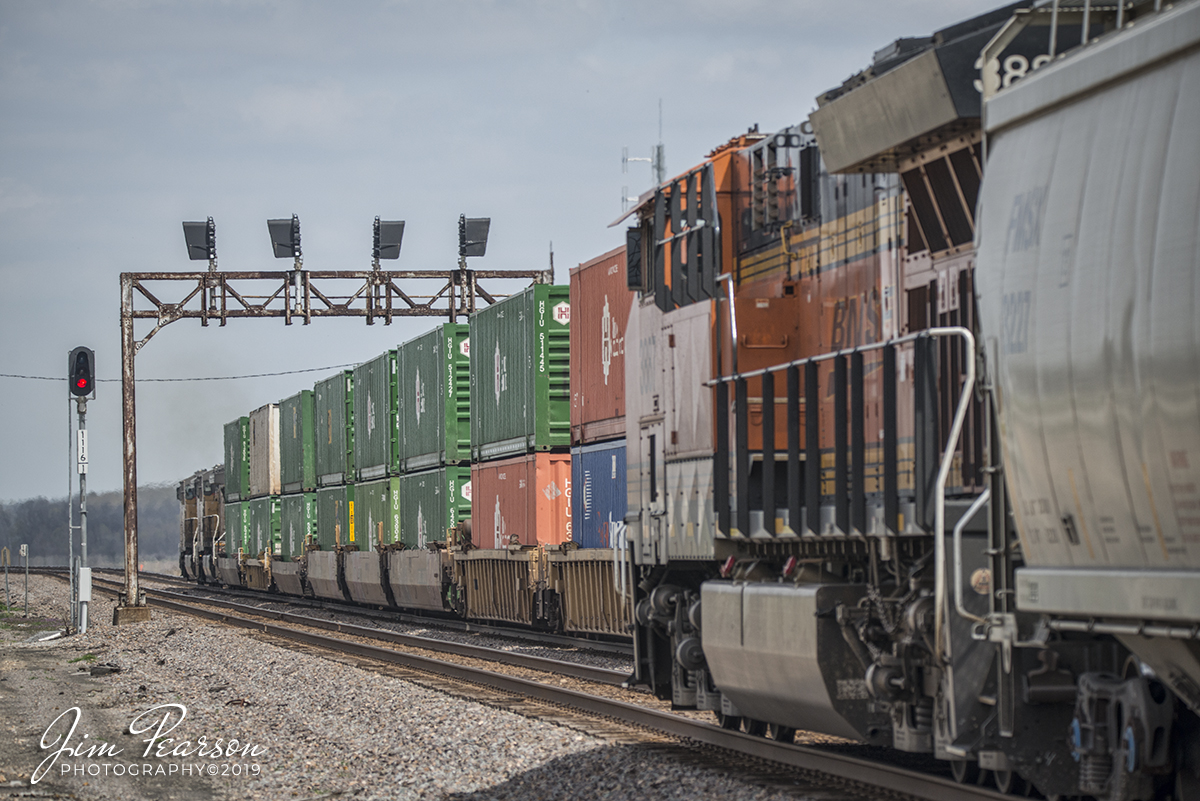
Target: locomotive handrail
[[946, 462], [939, 528], [833, 354]]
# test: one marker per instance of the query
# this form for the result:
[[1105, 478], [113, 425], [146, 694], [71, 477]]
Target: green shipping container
[[333, 423], [297, 443], [376, 433], [335, 516], [435, 398], [297, 524], [520, 374], [237, 459], [377, 512], [235, 528], [262, 523], [433, 502]]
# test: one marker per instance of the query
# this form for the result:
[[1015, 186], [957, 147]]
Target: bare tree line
[[42, 524]]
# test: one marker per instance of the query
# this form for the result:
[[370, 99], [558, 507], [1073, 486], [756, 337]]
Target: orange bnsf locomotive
[[834, 436]]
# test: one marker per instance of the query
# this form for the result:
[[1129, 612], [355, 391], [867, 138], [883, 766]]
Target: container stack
[[520, 420], [237, 492], [520, 448], [376, 465], [601, 301], [260, 514], [334, 452], [298, 479], [432, 494]]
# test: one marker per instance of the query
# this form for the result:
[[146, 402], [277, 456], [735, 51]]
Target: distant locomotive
[[878, 437]]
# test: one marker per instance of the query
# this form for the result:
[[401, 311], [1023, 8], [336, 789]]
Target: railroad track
[[538, 637], [777, 762], [251, 617]]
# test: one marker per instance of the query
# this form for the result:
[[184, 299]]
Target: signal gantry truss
[[216, 296]]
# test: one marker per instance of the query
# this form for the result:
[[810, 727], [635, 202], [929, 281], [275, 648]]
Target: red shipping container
[[528, 497], [600, 302]]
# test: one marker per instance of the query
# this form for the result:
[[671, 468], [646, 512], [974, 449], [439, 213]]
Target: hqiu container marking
[[449, 368], [501, 376], [419, 397]]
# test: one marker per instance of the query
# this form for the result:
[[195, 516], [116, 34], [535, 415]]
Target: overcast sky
[[120, 119]]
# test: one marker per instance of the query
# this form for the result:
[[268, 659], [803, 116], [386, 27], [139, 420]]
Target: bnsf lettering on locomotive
[[1025, 221], [855, 321]]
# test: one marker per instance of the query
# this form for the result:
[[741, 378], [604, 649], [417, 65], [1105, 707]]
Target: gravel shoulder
[[322, 727]]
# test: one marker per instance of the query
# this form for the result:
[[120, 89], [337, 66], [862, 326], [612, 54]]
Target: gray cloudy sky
[[119, 119]]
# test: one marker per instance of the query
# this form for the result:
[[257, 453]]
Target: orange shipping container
[[600, 302], [528, 497]]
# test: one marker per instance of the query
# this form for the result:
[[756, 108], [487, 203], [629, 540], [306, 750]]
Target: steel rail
[[349, 608], [617, 647], [184, 603], [840, 766]]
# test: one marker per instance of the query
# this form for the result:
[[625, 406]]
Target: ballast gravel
[[306, 726], [579, 655]]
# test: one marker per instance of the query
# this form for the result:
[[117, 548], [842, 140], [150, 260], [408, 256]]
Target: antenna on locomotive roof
[[657, 162], [552, 261], [660, 163]]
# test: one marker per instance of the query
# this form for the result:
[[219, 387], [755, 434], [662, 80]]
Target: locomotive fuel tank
[[778, 654]]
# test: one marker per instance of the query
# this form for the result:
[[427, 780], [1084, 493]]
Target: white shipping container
[[264, 451]]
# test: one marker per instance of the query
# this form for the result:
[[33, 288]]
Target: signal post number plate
[[82, 461]]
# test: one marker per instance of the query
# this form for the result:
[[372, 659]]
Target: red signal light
[[81, 372]]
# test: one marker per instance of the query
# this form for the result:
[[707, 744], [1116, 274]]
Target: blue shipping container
[[598, 493]]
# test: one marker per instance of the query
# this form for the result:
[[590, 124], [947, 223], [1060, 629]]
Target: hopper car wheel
[[1009, 782], [964, 771], [732, 722], [782, 734], [755, 728]]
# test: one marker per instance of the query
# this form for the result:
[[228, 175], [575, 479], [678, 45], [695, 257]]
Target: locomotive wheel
[[731, 722], [782, 734], [964, 771], [755, 728]]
